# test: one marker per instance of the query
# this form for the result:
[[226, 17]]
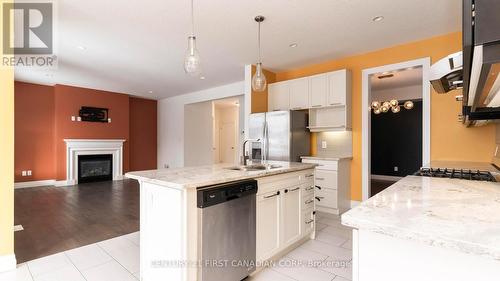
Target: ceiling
[[402, 78], [137, 47]]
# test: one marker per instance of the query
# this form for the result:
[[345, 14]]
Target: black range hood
[[481, 61]]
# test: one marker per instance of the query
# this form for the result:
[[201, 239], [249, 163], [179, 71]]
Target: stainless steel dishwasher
[[227, 231]]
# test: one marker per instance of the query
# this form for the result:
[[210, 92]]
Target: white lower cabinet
[[332, 185], [285, 212], [291, 215], [268, 220]]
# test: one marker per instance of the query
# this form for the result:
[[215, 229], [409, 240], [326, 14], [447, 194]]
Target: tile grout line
[[74, 265], [116, 260]]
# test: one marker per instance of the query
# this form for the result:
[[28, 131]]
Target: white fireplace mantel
[[76, 147]]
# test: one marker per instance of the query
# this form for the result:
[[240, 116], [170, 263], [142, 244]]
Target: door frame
[[425, 63]]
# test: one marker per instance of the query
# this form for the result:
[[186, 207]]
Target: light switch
[[73, 118], [79, 119], [323, 144], [23, 173], [29, 172]]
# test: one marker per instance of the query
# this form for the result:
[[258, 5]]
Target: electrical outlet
[[23, 173], [324, 144], [396, 168], [28, 172], [79, 119], [73, 118]]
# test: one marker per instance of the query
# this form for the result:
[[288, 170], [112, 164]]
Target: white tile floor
[[326, 258]]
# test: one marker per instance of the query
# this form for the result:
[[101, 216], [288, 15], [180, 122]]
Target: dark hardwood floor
[[56, 219], [379, 185]]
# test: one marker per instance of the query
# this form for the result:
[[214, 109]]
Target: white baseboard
[[355, 203], [8, 263], [34, 183], [385, 178], [52, 182]]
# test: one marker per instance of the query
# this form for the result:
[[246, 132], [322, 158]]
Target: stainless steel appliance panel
[[228, 233], [300, 135], [278, 141]]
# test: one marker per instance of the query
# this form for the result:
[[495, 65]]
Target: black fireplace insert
[[93, 168]]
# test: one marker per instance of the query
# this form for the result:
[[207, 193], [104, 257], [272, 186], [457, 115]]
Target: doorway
[[395, 135], [212, 131]]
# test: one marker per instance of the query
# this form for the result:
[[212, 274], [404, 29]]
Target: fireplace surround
[[80, 147]]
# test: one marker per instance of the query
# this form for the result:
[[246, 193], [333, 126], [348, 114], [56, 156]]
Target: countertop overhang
[[450, 213], [194, 177]]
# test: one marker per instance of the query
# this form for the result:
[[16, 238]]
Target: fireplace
[[95, 167]]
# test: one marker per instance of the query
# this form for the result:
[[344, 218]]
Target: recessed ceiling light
[[202, 77], [150, 92], [83, 48], [293, 45], [378, 18]]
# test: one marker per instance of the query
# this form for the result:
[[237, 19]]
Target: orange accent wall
[[43, 121], [34, 131], [450, 140], [68, 101], [259, 99], [143, 134]]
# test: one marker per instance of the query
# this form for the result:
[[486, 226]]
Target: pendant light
[[259, 82], [192, 64]]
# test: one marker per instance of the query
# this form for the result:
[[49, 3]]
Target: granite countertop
[[193, 177], [324, 158], [450, 213]]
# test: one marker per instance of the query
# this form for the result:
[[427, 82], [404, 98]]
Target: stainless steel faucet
[[244, 158]]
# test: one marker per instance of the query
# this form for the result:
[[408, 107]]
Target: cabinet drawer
[[308, 202], [307, 190], [307, 221], [326, 198], [326, 179]]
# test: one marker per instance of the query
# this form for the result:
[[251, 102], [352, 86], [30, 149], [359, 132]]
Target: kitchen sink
[[257, 167]]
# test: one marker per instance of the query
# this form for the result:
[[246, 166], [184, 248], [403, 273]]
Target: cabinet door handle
[[320, 179], [286, 190], [317, 105], [295, 108], [318, 187], [335, 103], [309, 176], [309, 221], [270, 196], [309, 201], [310, 188], [295, 189], [319, 198]]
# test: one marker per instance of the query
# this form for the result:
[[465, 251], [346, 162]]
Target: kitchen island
[[428, 229], [170, 217]]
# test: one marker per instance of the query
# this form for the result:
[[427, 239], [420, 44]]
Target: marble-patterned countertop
[[450, 213], [193, 177], [336, 158]]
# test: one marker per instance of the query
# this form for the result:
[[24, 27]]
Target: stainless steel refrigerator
[[284, 135]]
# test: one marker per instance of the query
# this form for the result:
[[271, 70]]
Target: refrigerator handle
[[266, 140]]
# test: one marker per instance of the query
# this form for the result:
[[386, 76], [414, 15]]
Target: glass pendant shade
[[386, 104], [375, 104], [259, 82], [376, 111], [192, 64], [384, 108], [408, 104], [394, 102], [396, 109]]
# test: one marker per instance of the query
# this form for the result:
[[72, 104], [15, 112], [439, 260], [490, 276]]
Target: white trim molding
[[355, 203], [26, 184], [76, 147], [425, 63], [7, 263]]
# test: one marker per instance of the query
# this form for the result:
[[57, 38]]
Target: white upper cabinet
[[339, 83], [299, 93], [319, 90], [279, 96]]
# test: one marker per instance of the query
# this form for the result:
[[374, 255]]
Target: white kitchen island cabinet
[[428, 229], [170, 218]]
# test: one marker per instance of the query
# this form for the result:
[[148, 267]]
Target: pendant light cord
[[192, 18], [260, 59]]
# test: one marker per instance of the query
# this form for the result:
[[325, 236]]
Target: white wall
[[171, 121], [198, 134], [401, 93]]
